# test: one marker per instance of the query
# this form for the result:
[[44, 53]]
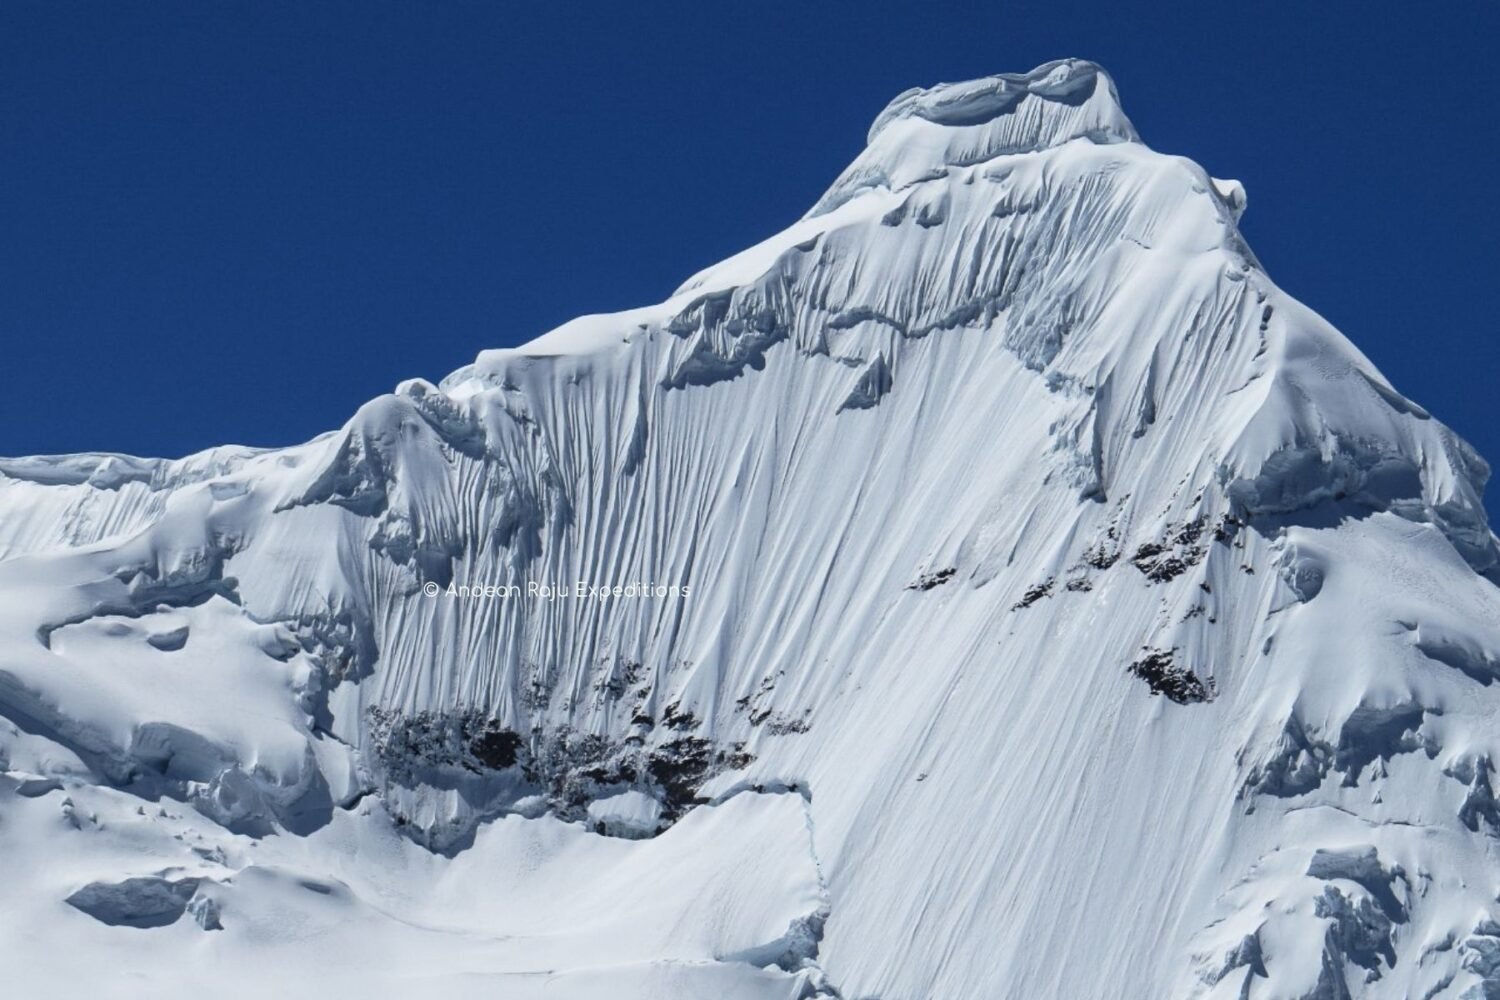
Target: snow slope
[[991, 586]]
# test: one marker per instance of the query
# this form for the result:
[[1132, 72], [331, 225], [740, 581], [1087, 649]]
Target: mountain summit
[[992, 585], [924, 131]]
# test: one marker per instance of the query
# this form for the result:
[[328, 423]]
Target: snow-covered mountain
[[990, 586]]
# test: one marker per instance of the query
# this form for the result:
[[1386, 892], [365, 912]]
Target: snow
[[630, 813], [1030, 599]]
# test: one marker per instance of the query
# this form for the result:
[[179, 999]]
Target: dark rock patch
[[466, 741], [1164, 676], [673, 717], [1034, 593], [496, 767], [934, 579], [1179, 549], [496, 748]]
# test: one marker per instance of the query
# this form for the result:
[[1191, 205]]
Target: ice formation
[[1069, 613]]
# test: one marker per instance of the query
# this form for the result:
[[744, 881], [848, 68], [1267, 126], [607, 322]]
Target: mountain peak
[[992, 101], [882, 591], [923, 131]]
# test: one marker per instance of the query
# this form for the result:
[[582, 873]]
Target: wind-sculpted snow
[[925, 131], [992, 585]]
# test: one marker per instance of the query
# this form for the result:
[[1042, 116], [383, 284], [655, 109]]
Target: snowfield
[[1054, 609]]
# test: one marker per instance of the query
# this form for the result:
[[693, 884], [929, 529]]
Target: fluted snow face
[[1031, 595], [923, 132]]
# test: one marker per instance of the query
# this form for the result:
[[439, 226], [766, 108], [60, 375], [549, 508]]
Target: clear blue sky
[[235, 222]]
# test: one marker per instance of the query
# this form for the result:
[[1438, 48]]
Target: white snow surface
[[992, 586]]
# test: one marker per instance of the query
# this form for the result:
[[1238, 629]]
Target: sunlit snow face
[[1038, 564]]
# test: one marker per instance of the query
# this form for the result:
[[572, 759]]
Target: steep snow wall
[[1089, 617]]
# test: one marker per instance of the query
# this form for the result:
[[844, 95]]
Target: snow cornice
[[924, 131]]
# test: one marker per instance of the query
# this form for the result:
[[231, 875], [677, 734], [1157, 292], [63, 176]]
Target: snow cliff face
[[992, 585]]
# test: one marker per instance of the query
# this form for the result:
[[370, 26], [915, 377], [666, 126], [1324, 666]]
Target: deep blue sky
[[234, 222]]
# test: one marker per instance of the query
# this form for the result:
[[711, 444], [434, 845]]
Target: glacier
[[992, 585]]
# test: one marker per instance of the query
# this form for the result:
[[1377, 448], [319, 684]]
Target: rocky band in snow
[[1065, 611]]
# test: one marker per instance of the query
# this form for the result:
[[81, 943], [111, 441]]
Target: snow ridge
[[1095, 585], [925, 131]]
